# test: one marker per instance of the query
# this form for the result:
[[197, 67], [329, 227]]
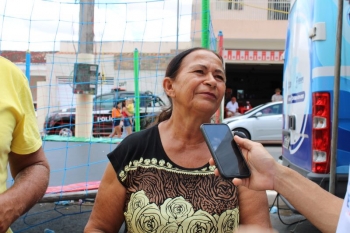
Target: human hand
[[6, 213], [254, 229], [262, 166]]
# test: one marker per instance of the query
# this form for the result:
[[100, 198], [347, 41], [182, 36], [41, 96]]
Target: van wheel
[[65, 132], [243, 131]]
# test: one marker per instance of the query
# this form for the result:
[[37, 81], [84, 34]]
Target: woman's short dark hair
[[172, 72]]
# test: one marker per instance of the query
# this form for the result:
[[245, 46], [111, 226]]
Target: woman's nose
[[210, 81]]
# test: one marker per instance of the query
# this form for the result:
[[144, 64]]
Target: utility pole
[[84, 116], [337, 66], [86, 26]]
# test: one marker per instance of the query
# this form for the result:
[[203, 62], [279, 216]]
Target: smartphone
[[227, 155]]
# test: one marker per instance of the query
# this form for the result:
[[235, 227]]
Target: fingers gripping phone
[[227, 156]]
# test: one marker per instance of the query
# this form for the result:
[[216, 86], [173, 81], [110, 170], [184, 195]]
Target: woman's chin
[[203, 107]]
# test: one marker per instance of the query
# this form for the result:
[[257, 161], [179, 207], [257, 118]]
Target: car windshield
[[103, 102], [253, 109], [145, 100], [106, 101]]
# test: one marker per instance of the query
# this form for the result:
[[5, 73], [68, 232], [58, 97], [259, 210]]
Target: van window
[[103, 102], [158, 102], [146, 100], [153, 101], [272, 110], [277, 109]]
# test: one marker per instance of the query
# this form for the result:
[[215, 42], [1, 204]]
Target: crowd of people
[[232, 107], [122, 115]]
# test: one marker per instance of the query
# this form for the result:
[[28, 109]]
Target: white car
[[262, 123]]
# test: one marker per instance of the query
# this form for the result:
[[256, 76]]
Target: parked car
[[262, 123], [62, 122]]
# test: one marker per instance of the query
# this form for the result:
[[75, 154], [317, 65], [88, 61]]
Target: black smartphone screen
[[228, 157]]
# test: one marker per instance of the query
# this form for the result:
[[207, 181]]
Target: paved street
[[281, 221], [274, 150]]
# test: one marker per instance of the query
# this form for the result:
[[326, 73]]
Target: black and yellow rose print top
[[164, 197]]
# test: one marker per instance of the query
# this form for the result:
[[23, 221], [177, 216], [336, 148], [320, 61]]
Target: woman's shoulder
[[135, 146], [141, 136], [138, 142]]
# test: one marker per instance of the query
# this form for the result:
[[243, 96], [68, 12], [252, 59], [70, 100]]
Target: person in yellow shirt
[[130, 107], [20, 147]]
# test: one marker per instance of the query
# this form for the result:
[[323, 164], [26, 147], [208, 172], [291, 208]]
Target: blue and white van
[[308, 92]]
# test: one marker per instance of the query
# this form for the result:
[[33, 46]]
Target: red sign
[[253, 55]]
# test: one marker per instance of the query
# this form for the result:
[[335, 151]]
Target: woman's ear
[[168, 87]]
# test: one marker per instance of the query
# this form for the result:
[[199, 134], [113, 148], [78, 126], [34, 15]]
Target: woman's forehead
[[202, 57]]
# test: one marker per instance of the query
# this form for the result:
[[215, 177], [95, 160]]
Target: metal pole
[[177, 28], [205, 23], [221, 42], [84, 103], [86, 26], [137, 92], [337, 66], [220, 112], [28, 65]]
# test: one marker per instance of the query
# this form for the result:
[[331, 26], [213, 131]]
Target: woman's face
[[200, 83]]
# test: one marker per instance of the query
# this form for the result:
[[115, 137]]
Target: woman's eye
[[220, 77], [199, 71]]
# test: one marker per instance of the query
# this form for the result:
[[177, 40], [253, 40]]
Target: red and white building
[[254, 33]]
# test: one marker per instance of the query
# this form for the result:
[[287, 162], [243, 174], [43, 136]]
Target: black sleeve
[[131, 149]]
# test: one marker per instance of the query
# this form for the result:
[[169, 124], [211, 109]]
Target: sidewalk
[[271, 196]]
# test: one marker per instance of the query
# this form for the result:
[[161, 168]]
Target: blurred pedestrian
[[248, 105], [127, 122], [232, 107], [277, 96], [116, 118], [20, 147], [130, 107]]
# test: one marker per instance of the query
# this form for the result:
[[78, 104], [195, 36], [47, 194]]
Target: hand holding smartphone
[[225, 151]]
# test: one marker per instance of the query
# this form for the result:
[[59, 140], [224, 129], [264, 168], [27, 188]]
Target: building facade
[[254, 33]]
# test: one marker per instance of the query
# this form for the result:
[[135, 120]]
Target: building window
[[278, 9], [238, 5], [69, 80], [235, 5]]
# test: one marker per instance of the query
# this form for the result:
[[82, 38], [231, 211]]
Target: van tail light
[[321, 132]]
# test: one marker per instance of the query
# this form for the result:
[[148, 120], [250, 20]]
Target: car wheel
[[242, 131], [65, 132]]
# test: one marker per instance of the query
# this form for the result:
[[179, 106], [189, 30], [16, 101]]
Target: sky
[[39, 25]]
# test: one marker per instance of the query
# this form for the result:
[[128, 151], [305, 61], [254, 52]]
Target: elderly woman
[[159, 179]]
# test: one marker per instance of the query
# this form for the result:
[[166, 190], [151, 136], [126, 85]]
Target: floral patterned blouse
[[164, 197]]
